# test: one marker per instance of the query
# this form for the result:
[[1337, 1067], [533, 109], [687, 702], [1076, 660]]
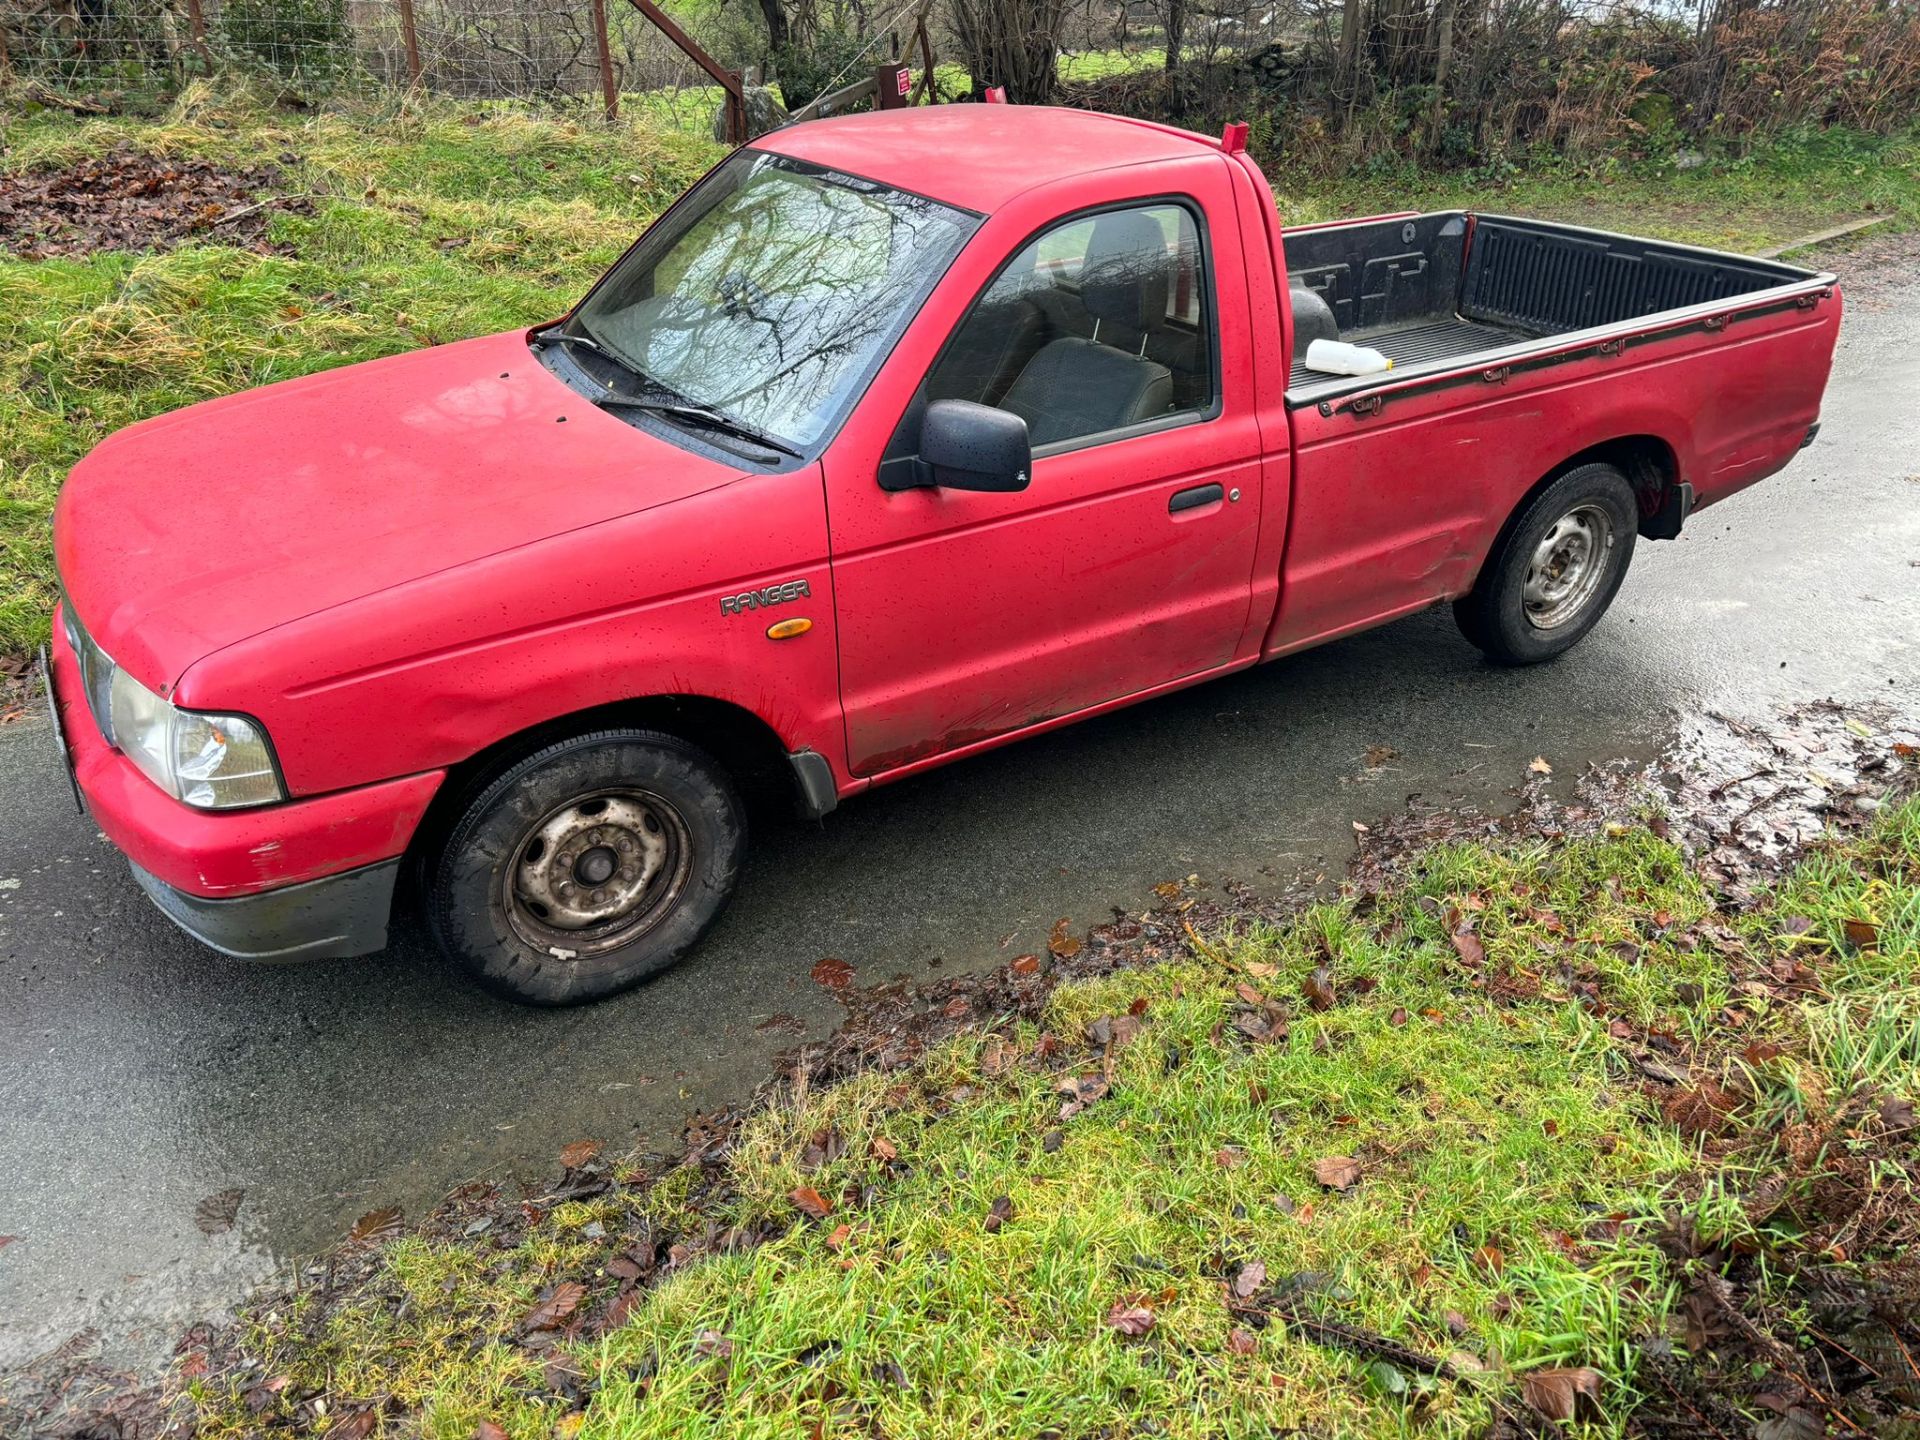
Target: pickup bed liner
[[1429, 289], [1420, 340]]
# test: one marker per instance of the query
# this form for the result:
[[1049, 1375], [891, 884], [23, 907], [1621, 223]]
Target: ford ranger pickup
[[898, 437]]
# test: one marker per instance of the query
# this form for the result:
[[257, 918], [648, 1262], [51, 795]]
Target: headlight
[[210, 761]]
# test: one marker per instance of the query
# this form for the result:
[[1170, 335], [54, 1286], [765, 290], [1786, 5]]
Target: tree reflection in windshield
[[771, 301]]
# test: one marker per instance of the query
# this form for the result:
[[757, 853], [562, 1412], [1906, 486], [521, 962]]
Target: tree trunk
[[1442, 72], [1015, 43], [1176, 33], [1346, 77], [779, 33]]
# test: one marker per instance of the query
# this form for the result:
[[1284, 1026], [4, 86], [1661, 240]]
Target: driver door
[[1125, 565]]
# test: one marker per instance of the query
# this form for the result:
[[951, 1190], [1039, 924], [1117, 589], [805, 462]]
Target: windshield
[[769, 294]]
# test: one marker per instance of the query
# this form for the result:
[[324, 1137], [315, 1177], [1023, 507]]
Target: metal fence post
[[408, 33], [609, 85], [197, 28]]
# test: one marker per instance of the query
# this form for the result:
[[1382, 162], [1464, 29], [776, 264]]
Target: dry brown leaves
[[125, 200]]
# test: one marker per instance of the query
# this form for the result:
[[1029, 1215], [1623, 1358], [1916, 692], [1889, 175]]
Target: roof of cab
[[980, 156]]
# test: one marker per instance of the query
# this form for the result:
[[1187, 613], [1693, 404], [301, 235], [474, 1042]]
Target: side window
[[1099, 324]]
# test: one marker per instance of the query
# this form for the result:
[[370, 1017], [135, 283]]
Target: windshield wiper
[[692, 414], [554, 335]]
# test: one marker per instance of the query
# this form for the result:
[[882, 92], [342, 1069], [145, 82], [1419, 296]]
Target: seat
[[986, 355], [1077, 386]]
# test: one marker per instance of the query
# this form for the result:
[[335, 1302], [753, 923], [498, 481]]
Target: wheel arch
[[746, 746], [1650, 463]]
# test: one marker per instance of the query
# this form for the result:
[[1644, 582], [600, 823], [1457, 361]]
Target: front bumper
[[307, 878], [326, 919]]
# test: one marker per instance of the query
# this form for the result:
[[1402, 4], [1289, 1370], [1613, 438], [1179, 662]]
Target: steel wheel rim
[[1567, 566], [596, 873]]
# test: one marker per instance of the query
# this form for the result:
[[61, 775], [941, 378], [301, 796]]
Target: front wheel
[[588, 866], [1555, 571]]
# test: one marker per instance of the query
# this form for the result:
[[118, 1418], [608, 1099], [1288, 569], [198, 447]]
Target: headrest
[[1127, 277]]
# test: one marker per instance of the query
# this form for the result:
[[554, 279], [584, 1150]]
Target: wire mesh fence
[[591, 53], [1325, 82]]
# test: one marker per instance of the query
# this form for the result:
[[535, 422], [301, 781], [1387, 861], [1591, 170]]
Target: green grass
[[1802, 182], [429, 224], [433, 222], [1496, 1118]]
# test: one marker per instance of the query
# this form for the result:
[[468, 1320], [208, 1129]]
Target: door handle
[[1194, 498]]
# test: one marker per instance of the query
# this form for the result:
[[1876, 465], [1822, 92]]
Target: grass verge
[[1529, 1130]]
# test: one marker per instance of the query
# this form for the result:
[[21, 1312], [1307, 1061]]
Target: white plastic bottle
[[1336, 357]]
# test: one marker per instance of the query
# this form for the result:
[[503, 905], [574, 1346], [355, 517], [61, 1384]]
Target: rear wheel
[[588, 866], [1555, 571]]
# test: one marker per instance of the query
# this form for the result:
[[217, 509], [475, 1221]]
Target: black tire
[[1500, 617], [511, 897]]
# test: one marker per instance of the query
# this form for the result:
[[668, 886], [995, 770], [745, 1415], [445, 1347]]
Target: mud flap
[[1676, 503]]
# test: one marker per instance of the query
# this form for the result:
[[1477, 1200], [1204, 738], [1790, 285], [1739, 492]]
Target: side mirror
[[964, 446]]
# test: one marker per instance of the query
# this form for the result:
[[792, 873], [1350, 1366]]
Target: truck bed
[[1431, 291]]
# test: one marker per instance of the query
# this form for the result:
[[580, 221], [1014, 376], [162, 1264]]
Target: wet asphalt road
[[140, 1073]]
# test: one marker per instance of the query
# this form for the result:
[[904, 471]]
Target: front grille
[[96, 670]]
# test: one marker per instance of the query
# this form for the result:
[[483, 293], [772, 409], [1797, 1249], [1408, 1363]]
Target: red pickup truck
[[898, 437]]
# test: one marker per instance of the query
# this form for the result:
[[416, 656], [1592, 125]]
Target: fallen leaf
[[487, 1430], [376, 1225], [1318, 988], [356, 1426], [839, 1237], [1252, 1276], [712, 1345], [1117, 1031], [1239, 1342], [1490, 1258], [1337, 1172], [216, 1213], [1862, 934], [995, 1056], [811, 1203], [832, 972], [1229, 1157], [1467, 946], [882, 1150], [1025, 965], [998, 1214], [1053, 1140], [1128, 1319], [1564, 1392], [1697, 1110], [1539, 766], [553, 1311], [1063, 945], [578, 1154], [1398, 1017]]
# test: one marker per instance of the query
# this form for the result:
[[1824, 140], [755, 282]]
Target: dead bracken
[[128, 200]]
